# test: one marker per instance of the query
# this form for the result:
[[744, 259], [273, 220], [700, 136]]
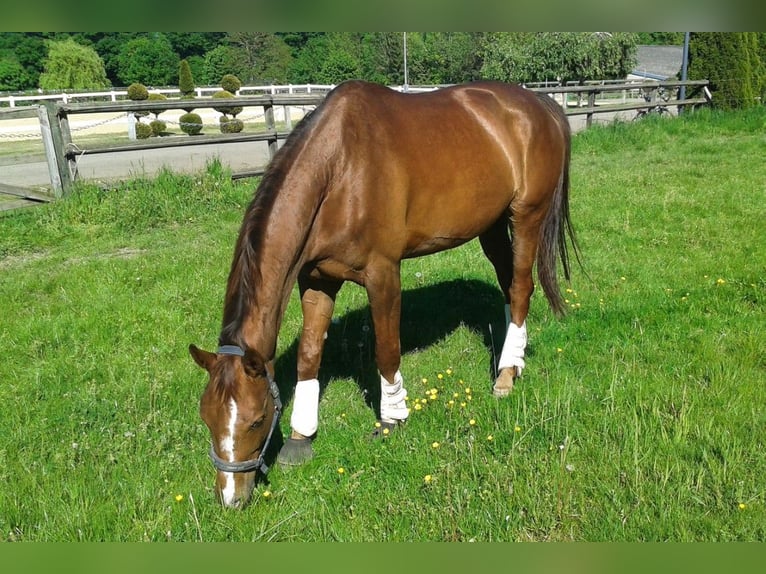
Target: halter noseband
[[253, 463]]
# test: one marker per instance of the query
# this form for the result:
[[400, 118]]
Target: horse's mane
[[245, 271]]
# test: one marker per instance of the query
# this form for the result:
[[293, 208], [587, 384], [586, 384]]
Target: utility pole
[[684, 70], [406, 77]]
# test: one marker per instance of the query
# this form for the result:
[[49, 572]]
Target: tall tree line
[[152, 58]]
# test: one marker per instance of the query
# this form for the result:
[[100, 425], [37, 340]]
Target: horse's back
[[433, 170]]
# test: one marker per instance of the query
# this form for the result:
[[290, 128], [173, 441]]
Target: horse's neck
[[270, 258]]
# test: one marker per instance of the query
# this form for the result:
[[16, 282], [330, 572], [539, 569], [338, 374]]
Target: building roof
[[658, 62]]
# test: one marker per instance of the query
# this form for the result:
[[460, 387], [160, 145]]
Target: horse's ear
[[254, 364], [204, 359]]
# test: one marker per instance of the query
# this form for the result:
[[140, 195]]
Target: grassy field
[[641, 416]]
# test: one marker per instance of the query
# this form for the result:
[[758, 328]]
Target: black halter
[[253, 463]]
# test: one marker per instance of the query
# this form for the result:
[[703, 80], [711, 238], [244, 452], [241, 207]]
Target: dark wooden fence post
[[268, 113], [591, 105], [55, 149]]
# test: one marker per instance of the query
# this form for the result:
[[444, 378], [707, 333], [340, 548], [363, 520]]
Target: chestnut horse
[[371, 177]]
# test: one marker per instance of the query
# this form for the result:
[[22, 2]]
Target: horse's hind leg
[[317, 303], [496, 244], [518, 262]]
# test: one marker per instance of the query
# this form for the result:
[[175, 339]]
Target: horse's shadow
[[428, 315]]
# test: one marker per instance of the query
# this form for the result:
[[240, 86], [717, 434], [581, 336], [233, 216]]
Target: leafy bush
[[158, 127], [230, 125], [143, 131], [191, 123], [230, 83], [137, 92]]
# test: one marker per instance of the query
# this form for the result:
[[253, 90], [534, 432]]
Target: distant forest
[[29, 61]]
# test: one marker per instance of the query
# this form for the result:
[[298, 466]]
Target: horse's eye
[[258, 422]]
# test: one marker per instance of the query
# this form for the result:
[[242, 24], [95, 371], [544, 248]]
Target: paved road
[[239, 156]]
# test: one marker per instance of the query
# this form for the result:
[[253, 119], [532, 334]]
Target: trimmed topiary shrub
[[230, 83], [186, 84], [191, 123], [157, 98], [226, 95], [158, 127], [185, 80], [137, 92], [230, 125], [143, 131]]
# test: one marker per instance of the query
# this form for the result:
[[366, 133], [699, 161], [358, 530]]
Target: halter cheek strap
[[254, 463]]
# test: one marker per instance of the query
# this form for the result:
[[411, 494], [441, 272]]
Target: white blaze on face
[[227, 452]]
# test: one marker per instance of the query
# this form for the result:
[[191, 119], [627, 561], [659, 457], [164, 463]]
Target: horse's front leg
[[317, 303], [384, 291]]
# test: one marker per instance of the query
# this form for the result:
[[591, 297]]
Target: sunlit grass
[[639, 416]]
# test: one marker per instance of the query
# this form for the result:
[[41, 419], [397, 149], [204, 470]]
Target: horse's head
[[241, 407]]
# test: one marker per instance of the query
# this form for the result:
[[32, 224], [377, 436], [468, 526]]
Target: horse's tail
[[557, 226]]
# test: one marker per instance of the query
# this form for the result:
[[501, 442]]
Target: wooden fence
[[62, 154]]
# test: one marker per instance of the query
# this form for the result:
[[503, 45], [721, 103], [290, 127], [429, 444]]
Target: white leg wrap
[[513, 348], [305, 417], [392, 404]]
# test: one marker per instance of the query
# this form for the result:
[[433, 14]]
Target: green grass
[[640, 416]]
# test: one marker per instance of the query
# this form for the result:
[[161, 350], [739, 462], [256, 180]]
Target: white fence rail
[[118, 94]]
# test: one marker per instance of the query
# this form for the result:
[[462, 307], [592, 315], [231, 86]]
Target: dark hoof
[[295, 451], [384, 429]]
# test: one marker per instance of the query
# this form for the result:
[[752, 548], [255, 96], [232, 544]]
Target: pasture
[[640, 415]]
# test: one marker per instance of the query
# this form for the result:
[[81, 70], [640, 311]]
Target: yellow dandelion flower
[[469, 398], [434, 444], [433, 391], [472, 422], [451, 402], [386, 431], [427, 479], [490, 438], [179, 497], [462, 404], [449, 371], [266, 494], [425, 381], [468, 390], [440, 376], [455, 395], [742, 506], [377, 424], [559, 350], [569, 290], [623, 279], [341, 470], [517, 428], [720, 281], [418, 407]]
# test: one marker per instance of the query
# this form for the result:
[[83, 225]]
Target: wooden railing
[[588, 100]]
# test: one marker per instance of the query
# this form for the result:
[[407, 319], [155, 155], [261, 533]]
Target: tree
[[12, 74], [220, 61], [71, 66], [150, 61], [558, 56], [732, 63], [444, 57], [260, 56]]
